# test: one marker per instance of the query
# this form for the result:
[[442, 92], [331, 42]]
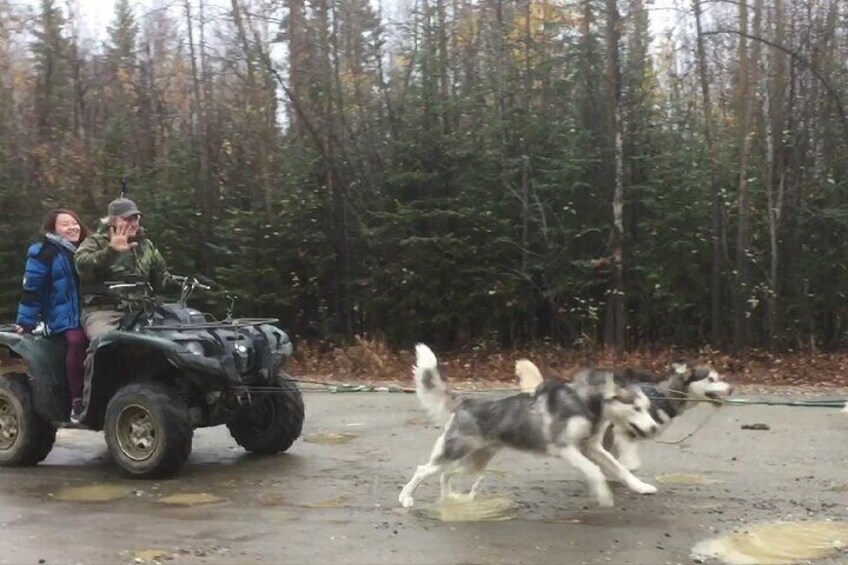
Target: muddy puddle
[[147, 555], [481, 509], [776, 543], [330, 438], [94, 493], [337, 502], [271, 500], [191, 499], [557, 520]]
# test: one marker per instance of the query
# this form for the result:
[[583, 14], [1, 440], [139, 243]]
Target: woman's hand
[[21, 330]]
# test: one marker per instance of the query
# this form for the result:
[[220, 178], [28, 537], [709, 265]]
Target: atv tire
[[25, 437], [148, 430], [272, 422]]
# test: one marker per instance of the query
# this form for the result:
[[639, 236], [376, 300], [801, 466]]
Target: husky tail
[[429, 386], [528, 375]]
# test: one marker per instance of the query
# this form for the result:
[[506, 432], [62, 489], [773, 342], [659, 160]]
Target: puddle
[[478, 510], [190, 499], [338, 502], [683, 479], [776, 543], [330, 438], [270, 500], [562, 521], [150, 555], [94, 493]]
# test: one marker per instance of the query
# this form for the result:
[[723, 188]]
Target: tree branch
[[831, 91]]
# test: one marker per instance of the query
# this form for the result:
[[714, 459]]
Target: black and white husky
[[558, 419], [684, 386]]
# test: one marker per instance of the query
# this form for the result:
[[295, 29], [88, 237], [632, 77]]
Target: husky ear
[[610, 389]]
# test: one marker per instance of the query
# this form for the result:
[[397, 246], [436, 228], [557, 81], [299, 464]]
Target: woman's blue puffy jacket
[[50, 287]]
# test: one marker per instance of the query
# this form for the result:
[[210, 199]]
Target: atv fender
[[45, 361], [107, 378]]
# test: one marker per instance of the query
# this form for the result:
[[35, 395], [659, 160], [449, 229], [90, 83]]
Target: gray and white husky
[[558, 419], [684, 386]]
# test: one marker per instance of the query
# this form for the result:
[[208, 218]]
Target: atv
[[167, 370]]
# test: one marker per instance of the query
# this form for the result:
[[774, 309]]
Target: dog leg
[[445, 482], [429, 469], [594, 476], [595, 452], [627, 449], [476, 464], [422, 472]]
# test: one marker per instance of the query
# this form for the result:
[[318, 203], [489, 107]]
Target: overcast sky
[[97, 14]]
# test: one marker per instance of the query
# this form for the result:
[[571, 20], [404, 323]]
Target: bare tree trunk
[[618, 297], [775, 167], [339, 228], [259, 103], [444, 86], [716, 261], [745, 107], [297, 61], [198, 126]]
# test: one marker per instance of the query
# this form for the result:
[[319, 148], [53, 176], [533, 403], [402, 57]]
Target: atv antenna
[[124, 186]]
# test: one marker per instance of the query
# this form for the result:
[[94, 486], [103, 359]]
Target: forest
[[581, 173]]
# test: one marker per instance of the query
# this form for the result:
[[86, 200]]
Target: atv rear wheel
[[25, 437], [272, 422], [148, 430]]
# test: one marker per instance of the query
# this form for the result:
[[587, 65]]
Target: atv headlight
[[194, 347]]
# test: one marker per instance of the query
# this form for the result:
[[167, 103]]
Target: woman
[[51, 294]]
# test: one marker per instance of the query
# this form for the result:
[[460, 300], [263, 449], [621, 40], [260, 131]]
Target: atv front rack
[[222, 325]]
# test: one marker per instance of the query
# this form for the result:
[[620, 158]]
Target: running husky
[[684, 386], [558, 419]]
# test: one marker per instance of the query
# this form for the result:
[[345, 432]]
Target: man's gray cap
[[123, 207]]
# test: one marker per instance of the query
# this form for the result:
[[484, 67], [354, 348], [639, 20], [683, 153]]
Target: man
[[118, 252]]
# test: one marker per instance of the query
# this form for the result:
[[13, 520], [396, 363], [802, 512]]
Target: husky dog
[[684, 386], [557, 419]]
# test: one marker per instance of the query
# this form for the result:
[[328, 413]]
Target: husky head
[[702, 382], [629, 408]]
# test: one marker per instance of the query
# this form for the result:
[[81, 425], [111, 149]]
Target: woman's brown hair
[[50, 222]]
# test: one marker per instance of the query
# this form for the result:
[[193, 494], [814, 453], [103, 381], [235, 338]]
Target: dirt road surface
[[333, 497]]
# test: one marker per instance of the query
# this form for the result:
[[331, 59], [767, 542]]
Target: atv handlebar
[[190, 281], [128, 285], [188, 284]]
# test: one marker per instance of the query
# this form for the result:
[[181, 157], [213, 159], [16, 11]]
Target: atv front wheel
[[272, 421], [25, 437], [148, 430]]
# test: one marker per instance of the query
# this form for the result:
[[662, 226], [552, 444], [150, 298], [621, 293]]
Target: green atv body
[[165, 372]]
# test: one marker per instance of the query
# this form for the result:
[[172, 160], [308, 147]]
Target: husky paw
[[643, 488], [605, 499], [406, 500]]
